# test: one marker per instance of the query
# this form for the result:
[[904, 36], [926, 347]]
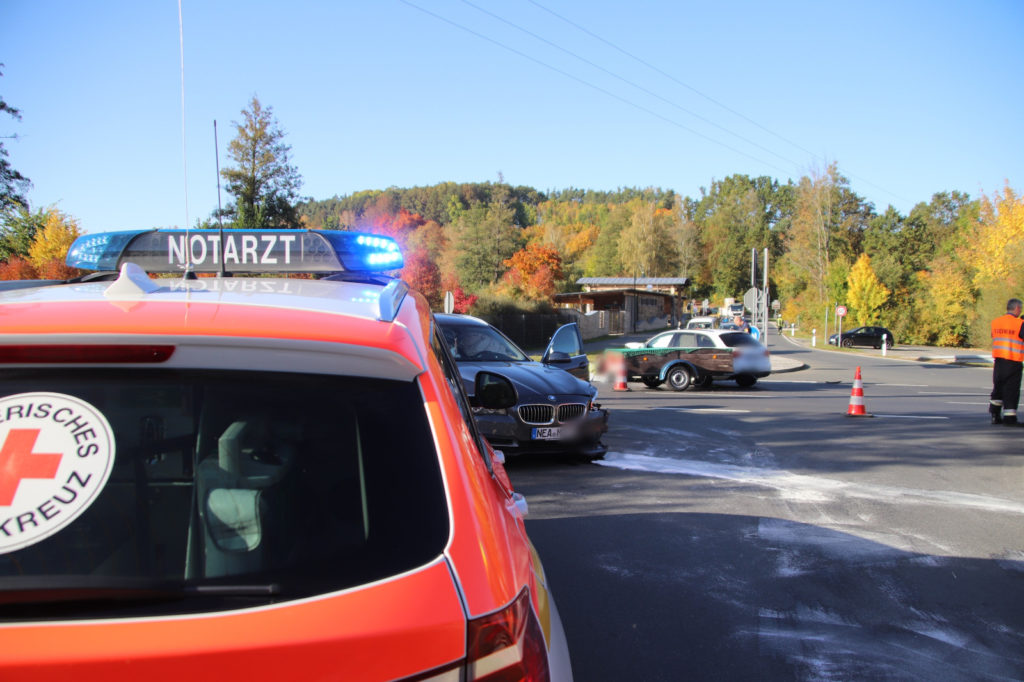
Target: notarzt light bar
[[236, 251]]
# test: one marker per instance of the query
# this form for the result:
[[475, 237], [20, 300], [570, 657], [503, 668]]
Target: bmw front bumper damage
[[510, 434]]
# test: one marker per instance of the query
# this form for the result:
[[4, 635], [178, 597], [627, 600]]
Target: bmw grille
[[546, 414]]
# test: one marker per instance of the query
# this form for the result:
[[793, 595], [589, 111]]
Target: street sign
[[840, 310], [776, 305], [753, 300]]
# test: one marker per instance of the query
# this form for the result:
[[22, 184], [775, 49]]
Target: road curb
[[969, 360], [793, 368]]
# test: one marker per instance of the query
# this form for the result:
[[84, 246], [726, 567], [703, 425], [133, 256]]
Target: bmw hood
[[529, 378]]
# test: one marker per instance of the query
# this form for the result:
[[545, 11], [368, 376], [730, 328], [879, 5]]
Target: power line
[[701, 94], [629, 82], [592, 86], [669, 76]]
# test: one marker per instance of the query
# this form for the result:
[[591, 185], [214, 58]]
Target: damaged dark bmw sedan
[[556, 410]]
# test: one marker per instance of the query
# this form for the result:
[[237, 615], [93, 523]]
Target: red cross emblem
[[17, 461]]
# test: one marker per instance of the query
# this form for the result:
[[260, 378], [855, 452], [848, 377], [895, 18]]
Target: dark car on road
[[555, 410], [864, 336]]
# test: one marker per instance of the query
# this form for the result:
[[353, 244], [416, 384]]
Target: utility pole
[[764, 299]]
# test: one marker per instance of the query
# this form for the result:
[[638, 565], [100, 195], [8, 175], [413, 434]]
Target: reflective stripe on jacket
[[1006, 341]]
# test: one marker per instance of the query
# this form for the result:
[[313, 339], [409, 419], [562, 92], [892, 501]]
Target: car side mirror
[[557, 356], [494, 391]]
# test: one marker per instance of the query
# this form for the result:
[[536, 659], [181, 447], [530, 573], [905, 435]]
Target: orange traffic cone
[[856, 408], [620, 374]]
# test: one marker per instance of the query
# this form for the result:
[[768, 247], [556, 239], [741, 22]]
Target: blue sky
[[909, 98]]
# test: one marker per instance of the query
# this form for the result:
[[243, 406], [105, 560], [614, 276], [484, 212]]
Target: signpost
[[840, 313], [752, 300]]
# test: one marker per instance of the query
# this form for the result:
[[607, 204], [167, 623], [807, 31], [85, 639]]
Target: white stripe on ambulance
[[203, 246]]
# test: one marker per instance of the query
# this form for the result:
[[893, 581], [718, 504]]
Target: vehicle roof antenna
[[220, 211], [188, 274]]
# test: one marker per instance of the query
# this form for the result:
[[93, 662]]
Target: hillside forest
[[935, 276]]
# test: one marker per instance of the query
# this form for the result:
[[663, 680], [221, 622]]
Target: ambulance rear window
[[225, 489]]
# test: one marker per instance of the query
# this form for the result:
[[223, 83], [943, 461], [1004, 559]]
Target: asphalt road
[[763, 534]]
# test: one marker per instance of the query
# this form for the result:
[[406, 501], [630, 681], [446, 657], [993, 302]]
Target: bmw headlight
[[484, 410]]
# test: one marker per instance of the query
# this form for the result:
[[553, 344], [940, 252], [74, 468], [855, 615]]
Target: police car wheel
[[679, 378], [745, 381]]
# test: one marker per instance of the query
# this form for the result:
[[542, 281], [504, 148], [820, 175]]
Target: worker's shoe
[[1010, 420], [996, 412]]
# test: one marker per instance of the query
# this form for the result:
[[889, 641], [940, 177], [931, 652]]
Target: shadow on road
[[670, 596]]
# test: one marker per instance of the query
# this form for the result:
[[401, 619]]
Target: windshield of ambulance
[[153, 492]]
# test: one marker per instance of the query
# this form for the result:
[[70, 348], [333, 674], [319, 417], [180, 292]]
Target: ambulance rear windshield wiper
[[60, 588]]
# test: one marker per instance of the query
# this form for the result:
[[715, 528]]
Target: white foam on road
[[802, 487]]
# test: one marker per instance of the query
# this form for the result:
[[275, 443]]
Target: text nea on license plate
[[549, 433]]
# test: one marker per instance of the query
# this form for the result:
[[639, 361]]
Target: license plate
[[548, 433]]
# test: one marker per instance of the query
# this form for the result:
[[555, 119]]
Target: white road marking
[[808, 488], [908, 416], [905, 385], [698, 409]]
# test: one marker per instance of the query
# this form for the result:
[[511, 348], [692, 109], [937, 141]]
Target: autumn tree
[[484, 238], [995, 255], [603, 258], [18, 229], [463, 301], [809, 241], [646, 245], [736, 216], [422, 274], [997, 246], [865, 293], [533, 271], [265, 185], [687, 239], [13, 185], [50, 246], [945, 307], [17, 267]]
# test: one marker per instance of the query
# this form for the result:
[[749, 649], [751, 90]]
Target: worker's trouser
[[1006, 376]]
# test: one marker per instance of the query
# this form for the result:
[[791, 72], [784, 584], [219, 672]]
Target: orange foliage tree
[[533, 271], [422, 274], [17, 267], [47, 252], [400, 225], [463, 301]]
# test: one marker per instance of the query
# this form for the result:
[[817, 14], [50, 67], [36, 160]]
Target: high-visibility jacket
[[1006, 341]]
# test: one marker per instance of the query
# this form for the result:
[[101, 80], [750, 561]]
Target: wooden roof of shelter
[[604, 294], [634, 281]]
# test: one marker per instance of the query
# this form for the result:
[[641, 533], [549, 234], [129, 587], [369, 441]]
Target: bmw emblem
[[551, 398]]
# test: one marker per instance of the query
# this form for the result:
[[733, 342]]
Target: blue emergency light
[[237, 251]]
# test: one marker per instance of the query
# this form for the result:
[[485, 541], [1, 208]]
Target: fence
[[530, 331]]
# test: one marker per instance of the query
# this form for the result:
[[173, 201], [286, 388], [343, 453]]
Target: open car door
[[565, 351]]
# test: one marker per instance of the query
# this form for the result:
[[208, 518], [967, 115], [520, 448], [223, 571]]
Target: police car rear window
[[160, 491]]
